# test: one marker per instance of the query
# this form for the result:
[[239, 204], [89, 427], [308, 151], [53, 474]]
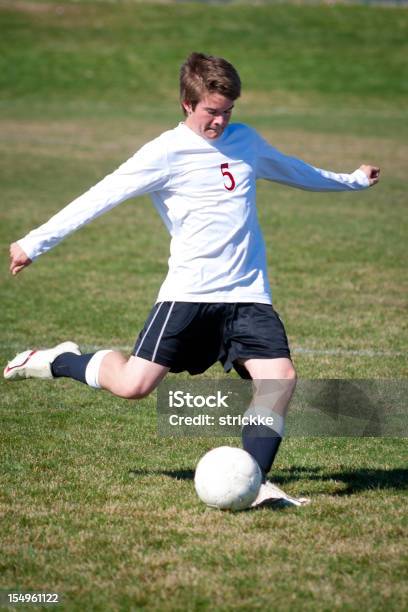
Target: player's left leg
[[274, 383], [256, 343]]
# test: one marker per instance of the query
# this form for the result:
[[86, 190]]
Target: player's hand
[[372, 173], [18, 259]]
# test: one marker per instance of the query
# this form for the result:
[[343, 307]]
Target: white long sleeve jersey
[[205, 192]]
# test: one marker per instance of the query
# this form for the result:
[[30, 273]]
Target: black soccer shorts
[[192, 336]]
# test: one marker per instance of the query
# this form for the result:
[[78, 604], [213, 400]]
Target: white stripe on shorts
[[162, 331], [147, 330]]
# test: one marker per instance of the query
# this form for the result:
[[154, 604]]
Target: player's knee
[[134, 390], [288, 375], [285, 371], [290, 372]]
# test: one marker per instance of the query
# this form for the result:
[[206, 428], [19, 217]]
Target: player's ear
[[188, 109]]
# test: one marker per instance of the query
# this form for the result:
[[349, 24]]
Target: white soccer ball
[[227, 478]]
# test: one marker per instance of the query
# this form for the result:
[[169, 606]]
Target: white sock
[[278, 420], [92, 369]]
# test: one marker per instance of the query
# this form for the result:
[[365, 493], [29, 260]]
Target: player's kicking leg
[[274, 383], [131, 378]]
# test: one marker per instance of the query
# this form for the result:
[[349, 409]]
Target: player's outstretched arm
[[146, 171], [275, 166], [371, 172], [18, 259]]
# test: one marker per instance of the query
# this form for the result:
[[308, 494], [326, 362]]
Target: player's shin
[[262, 436], [84, 368], [264, 423]]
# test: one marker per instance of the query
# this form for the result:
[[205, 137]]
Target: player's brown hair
[[201, 74]]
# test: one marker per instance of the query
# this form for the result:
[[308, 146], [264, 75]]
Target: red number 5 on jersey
[[231, 185]]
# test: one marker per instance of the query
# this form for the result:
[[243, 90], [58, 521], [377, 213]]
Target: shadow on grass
[[355, 480], [177, 474]]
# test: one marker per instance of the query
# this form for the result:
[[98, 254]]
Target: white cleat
[[270, 493], [37, 364]]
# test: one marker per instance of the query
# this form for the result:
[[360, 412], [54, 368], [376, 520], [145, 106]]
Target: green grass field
[[94, 504]]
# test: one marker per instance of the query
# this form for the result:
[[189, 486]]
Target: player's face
[[211, 115]]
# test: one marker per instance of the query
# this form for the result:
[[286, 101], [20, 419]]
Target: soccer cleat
[[37, 363], [270, 493]]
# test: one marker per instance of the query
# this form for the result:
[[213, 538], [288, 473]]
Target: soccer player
[[215, 303]]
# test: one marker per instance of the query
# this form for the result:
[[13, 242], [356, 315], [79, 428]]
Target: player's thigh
[[274, 382], [279, 368]]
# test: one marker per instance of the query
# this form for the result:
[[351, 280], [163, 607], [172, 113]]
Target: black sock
[[70, 365], [262, 443]]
